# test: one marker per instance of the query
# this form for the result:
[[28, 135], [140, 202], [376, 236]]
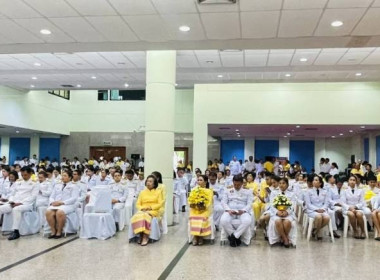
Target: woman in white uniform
[[63, 201], [45, 190], [376, 216], [353, 204], [317, 202]]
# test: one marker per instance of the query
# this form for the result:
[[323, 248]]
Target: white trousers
[[17, 213], [218, 212], [116, 208], [226, 223]]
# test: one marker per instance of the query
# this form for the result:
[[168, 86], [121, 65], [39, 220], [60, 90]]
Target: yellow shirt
[[209, 205], [355, 171], [378, 177], [269, 166], [253, 186], [287, 167], [189, 167], [150, 198]]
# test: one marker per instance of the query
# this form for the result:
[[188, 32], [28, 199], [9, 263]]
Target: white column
[[283, 144], [159, 119], [249, 147], [319, 152], [372, 150], [34, 146], [5, 147]]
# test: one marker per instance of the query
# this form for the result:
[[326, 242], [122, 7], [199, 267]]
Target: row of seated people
[[61, 197]]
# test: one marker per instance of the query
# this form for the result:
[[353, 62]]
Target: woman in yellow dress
[[199, 217], [149, 205], [161, 187]]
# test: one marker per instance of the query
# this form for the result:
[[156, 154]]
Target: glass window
[[102, 95], [61, 93], [127, 95]]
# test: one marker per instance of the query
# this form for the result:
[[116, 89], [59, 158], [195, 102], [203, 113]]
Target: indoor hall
[[178, 139]]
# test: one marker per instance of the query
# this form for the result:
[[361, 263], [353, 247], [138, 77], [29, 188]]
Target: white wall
[[280, 103]]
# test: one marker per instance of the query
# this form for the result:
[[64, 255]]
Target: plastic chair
[[245, 238], [100, 223], [29, 223], [71, 225], [310, 229], [41, 215], [347, 222]]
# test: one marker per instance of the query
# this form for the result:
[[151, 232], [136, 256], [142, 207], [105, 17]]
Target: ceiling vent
[[311, 128], [67, 86], [217, 1], [224, 128]]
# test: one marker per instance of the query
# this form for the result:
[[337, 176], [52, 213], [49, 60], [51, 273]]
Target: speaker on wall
[[135, 156]]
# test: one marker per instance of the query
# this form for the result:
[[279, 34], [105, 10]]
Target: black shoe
[[51, 236], [232, 240], [336, 235], [183, 208], [238, 241], [58, 236], [14, 235], [117, 227]]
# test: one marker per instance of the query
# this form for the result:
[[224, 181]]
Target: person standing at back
[[235, 166]]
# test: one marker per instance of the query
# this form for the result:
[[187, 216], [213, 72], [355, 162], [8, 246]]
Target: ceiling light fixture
[[333, 136], [17, 131], [303, 59], [288, 133], [93, 77], [288, 75], [220, 76], [176, 84], [209, 61], [45, 31], [237, 130], [238, 135], [358, 74], [362, 126], [341, 134], [285, 136], [79, 86], [184, 28], [297, 126], [34, 78], [336, 23], [32, 86], [37, 64], [350, 131], [126, 85]]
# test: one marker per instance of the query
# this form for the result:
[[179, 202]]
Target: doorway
[[180, 154], [107, 153]]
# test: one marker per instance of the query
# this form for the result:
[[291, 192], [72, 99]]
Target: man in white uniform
[[23, 196], [180, 190], [235, 167], [250, 164], [237, 203]]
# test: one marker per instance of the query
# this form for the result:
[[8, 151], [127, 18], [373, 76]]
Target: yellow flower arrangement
[[198, 198], [281, 202]]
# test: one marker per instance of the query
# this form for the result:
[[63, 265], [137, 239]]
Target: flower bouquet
[[198, 199], [281, 202]]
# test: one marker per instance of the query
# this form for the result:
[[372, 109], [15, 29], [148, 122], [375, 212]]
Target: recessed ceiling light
[[297, 126], [126, 85], [362, 126], [176, 84], [285, 136], [37, 64], [220, 76], [17, 131], [336, 23], [350, 131], [93, 77], [238, 135], [288, 133], [184, 28], [209, 61], [341, 134], [32, 86], [288, 75], [34, 78], [45, 31], [358, 74], [333, 136], [79, 86], [237, 130], [303, 59], [292, 130]]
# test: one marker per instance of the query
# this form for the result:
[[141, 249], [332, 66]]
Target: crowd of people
[[236, 199]]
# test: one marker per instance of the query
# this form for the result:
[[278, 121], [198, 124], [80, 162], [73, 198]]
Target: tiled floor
[[117, 259]]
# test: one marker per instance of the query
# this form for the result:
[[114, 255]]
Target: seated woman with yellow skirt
[[149, 206], [201, 205]]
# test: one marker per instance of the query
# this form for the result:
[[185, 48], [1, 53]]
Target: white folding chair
[[347, 223], [310, 229], [100, 223], [41, 215]]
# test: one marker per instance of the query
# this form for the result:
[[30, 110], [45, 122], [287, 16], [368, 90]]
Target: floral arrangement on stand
[[281, 202], [199, 198]]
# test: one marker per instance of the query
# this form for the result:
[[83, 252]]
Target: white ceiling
[[22, 132], [125, 25], [114, 69]]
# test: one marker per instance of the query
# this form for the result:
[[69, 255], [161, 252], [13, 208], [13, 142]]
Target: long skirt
[[141, 222], [200, 226]]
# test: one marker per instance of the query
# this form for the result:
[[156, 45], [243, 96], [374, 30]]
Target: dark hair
[[276, 178], [237, 178], [205, 178], [328, 177], [69, 173], [106, 170], [26, 169], [285, 180], [118, 171], [335, 165], [352, 175], [6, 168], [221, 172], [90, 168], [320, 180], [42, 173], [130, 172], [155, 181], [250, 173], [310, 178], [78, 171], [14, 173], [158, 176], [50, 170], [212, 174]]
